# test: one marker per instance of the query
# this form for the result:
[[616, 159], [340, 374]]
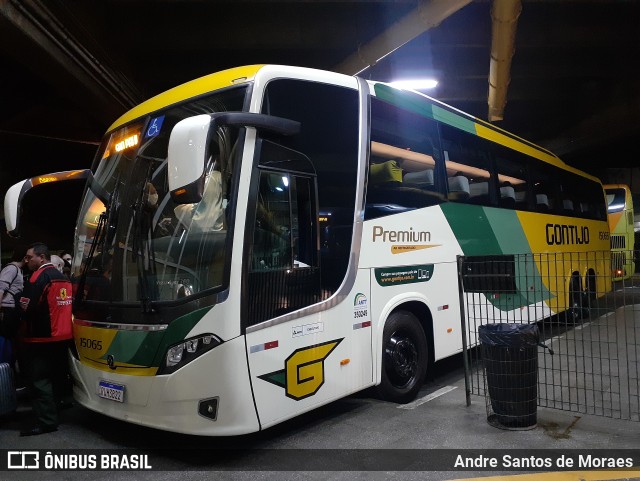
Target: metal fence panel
[[591, 323]]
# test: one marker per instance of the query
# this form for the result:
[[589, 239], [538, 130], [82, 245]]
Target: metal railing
[[586, 315]]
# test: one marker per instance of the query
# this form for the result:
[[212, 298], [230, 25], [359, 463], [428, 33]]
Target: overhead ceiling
[[70, 68]]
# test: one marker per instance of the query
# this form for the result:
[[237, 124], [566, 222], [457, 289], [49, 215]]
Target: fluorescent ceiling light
[[415, 84]]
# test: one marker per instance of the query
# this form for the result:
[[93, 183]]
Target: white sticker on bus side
[[307, 329]]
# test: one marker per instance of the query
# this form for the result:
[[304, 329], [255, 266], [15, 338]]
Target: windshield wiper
[[101, 236], [142, 251], [101, 230]]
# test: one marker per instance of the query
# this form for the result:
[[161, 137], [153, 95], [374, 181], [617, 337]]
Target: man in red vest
[[45, 334]]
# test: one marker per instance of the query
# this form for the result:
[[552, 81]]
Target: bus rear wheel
[[578, 302], [404, 358]]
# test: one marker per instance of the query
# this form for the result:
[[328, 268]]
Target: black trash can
[[510, 357]]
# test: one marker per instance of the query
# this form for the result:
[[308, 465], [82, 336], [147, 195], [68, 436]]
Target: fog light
[[208, 408]]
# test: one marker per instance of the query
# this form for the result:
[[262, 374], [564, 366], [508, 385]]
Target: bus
[[267, 239], [621, 225]]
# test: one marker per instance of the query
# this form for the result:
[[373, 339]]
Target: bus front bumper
[[179, 402]]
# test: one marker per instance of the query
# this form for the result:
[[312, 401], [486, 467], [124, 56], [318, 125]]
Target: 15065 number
[[91, 343]]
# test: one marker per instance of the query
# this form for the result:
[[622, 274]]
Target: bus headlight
[[183, 353], [174, 355]]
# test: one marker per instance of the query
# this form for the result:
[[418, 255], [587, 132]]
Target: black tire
[[592, 291], [405, 357], [578, 304]]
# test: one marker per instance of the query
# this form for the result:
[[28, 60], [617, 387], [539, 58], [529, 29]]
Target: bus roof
[[199, 86], [437, 110], [475, 126]]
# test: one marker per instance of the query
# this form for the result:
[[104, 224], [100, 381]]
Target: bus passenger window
[[568, 194], [545, 187], [585, 210], [390, 185], [589, 195], [404, 163], [467, 156], [513, 180]]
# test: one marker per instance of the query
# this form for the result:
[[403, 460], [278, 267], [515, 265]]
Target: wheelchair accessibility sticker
[[154, 126]]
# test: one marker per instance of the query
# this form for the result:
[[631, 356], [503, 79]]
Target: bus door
[[302, 347]]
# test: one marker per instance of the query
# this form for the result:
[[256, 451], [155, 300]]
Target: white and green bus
[[267, 239]]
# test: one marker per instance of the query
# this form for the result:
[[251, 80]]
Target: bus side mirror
[[186, 158], [11, 207], [189, 147], [14, 196]]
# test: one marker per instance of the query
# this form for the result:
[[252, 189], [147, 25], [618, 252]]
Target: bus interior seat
[[422, 178], [458, 188], [567, 205], [479, 193], [542, 203], [584, 208], [507, 197], [386, 186], [521, 199]]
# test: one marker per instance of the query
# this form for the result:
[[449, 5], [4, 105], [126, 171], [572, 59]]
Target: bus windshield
[[615, 200], [140, 246]]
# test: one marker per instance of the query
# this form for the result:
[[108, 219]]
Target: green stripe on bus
[[491, 231], [402, 100], [471, 227], [506, 227], [135, 347], [454, 120], [147, 348], [424, 107], [177, 331]]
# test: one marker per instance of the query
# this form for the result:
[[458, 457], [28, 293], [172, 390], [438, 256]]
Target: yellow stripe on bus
[[196, 87], [520, 146], [121, 368], [92, 344]]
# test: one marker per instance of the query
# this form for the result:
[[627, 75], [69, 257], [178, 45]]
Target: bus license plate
[[111, 391]]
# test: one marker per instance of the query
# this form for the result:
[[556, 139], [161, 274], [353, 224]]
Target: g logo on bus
[[111, 361], [303, 373]]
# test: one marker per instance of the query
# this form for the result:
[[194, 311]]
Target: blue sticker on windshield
[[154, 126]]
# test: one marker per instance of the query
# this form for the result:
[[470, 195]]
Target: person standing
[[66, 256], [45, 334], [11, 286], [57, 262]]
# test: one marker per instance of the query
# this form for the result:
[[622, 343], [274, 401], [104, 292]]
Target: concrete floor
[[358, 432]]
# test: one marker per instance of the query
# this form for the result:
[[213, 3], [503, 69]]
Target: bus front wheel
[[404, 358]]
